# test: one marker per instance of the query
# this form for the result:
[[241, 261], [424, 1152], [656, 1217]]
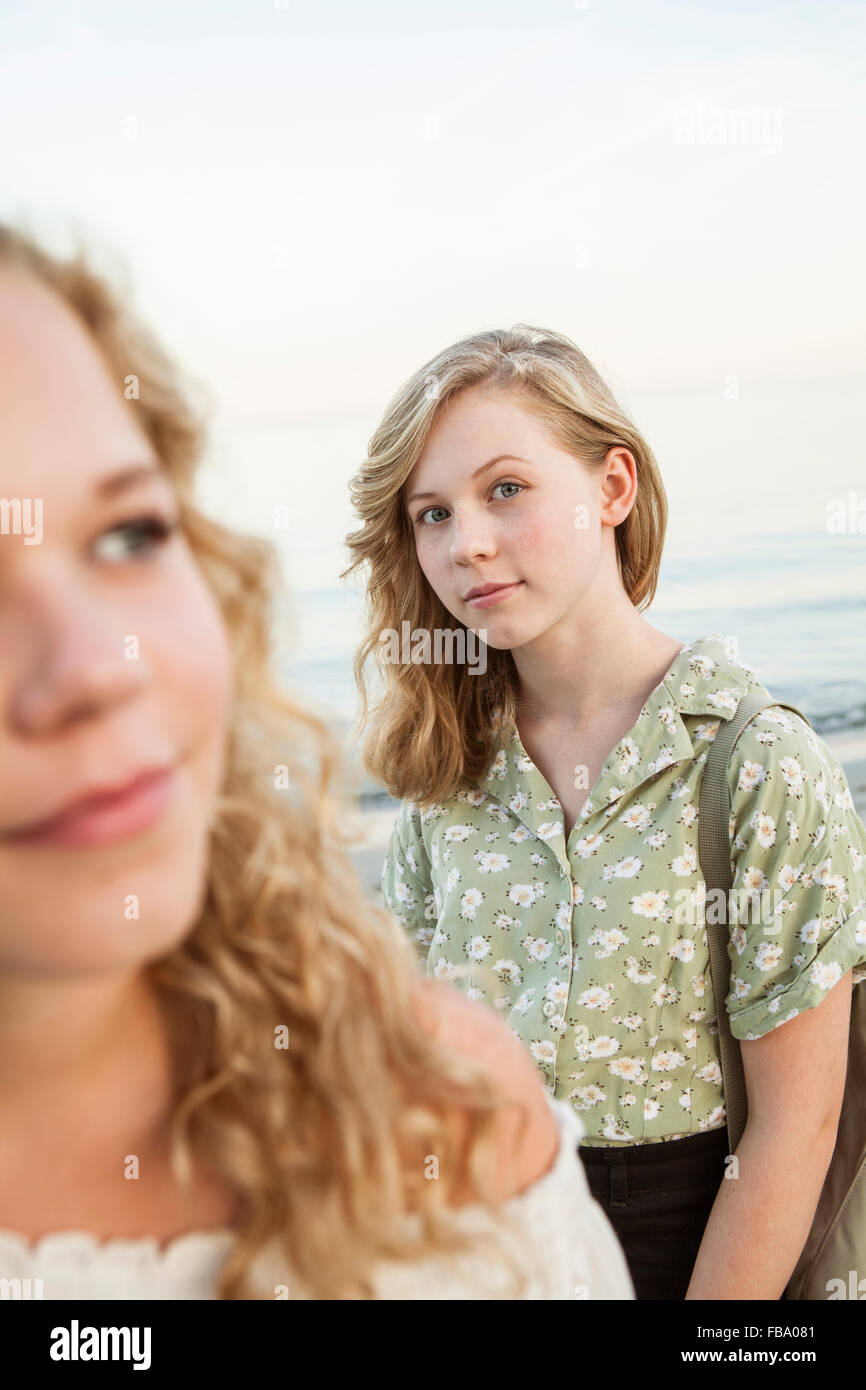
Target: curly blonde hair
[[323, 1142], [435, 728]]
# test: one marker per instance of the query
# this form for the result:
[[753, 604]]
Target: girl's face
[[113, 659], [505, 505]]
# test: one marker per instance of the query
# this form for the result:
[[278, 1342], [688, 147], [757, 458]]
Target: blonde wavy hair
[[435, 728], [324, 1143]]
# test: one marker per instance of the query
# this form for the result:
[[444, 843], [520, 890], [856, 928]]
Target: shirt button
[[560, 937], [548, 1008]]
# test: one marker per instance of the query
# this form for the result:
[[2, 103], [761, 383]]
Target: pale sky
[[313, 199]]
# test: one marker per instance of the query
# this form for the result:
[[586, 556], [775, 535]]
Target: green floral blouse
[[588, 948]]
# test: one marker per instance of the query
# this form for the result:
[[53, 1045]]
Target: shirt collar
[[707, 677]]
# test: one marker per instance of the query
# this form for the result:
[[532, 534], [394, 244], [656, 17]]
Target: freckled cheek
[[546, 541]]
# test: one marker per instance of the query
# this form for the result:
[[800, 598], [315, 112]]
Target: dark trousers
[[658, 1198]]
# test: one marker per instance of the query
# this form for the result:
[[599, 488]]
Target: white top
[[557, 1225]]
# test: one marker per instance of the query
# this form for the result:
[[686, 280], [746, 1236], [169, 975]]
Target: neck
[[590, 665], [86, 1057]]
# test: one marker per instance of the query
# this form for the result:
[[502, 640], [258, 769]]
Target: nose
[[472, 537], [75, 663]]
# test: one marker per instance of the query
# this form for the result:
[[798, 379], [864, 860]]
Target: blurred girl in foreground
[[221, 1076]]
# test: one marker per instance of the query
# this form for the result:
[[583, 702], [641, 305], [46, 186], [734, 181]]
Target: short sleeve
[[406, 885], [796, 839]]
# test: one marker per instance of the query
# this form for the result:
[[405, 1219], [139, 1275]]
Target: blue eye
[[518, 486], [155, 530]]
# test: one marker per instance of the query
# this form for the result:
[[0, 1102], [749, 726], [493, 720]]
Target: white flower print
[[668, 1059], [456, 834], [590, 844], [404, 894], [444, 970], [587, 1096], [499, 766], [825, 976], [665, 994], [751, 776], [714, 1119], [519, 834], [686, 863], [665, 759], [470, 901], [557, 991], [793, 774], [595, 997], [536, 947], [477, 947], [754, 881], [629, 1068], [543, 1051], [683, 949], [609, 941], [613, 1128], [628, 756], [768, 955], [523, 894], [788, 876], [725, 699], [627, 868], [652, 904], [508, 970], [638, 972], [491, 863]]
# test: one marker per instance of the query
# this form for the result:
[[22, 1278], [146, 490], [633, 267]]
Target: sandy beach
[[374, 827]]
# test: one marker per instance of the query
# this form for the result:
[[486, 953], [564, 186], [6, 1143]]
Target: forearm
[[760, 1219]]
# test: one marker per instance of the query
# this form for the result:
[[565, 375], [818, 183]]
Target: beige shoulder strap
[[714, 853]]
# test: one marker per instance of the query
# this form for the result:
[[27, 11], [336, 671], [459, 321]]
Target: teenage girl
[[544, 857]]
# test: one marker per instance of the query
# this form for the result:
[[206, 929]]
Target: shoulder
[[778, 758], [527, 1138]]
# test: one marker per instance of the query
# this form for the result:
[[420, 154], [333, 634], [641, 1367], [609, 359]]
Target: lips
[[106, 816], [488, 594]]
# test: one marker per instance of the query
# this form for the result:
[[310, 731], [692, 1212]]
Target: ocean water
[[753, 474]]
